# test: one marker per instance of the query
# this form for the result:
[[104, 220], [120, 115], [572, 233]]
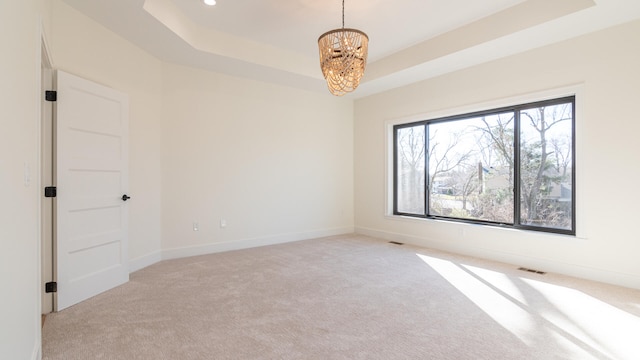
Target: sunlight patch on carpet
[[583, 326], [611, 331], [502, 310], [500, 281]]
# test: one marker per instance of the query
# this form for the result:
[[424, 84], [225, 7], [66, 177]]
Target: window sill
[[466, 227]]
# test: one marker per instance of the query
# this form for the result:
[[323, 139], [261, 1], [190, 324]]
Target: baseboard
[[36, 353], [176, 253], [196, 250], [579, 271], [144, 261]]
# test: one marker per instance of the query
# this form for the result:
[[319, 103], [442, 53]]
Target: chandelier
[[343, 57]]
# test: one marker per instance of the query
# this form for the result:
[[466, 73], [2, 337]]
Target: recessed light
[[210, 2]]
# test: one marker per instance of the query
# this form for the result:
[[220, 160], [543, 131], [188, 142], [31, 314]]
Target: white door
[[91, 179]]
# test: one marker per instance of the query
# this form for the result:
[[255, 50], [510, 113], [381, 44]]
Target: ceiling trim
[[509, 21], [227, 45]]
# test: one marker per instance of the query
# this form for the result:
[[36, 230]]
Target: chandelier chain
[[343, 14]]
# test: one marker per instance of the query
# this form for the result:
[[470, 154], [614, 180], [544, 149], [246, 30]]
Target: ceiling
[[409, 40]]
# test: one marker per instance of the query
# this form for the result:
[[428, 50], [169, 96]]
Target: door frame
[[47, 177]]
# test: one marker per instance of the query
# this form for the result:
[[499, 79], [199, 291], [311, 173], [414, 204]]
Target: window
[[512, 166]]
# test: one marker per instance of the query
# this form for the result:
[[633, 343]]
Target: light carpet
[[347, 297]]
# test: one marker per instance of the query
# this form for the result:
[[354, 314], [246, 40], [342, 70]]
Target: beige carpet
[[347, 297]]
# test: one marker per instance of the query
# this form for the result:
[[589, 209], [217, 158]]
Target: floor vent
[[532, 270], [395, 243]]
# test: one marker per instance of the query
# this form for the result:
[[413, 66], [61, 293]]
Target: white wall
[[19, 205], [276, 163], [605, 66], [83, 47]]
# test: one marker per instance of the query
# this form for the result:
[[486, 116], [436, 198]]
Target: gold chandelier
[[343, 57]]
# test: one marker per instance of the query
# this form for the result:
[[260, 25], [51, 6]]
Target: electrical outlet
[[223, 223], [195, 226]]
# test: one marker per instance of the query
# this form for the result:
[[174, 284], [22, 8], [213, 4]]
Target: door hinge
[[50, 191], [51, 95], [51, 287]]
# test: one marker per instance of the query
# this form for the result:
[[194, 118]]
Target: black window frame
[[516, 109]]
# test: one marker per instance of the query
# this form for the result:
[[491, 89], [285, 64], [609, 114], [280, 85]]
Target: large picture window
[[512, 166]]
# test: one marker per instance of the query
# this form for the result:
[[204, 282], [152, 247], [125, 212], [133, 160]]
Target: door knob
[[125, 197]]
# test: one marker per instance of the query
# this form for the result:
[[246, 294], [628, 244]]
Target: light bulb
[[210, 2]]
